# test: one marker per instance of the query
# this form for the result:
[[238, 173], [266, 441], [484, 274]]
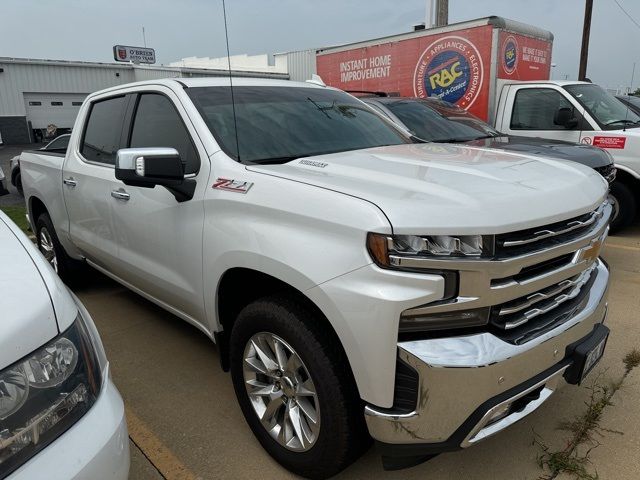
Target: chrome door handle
[[120, 195], [70, 182]]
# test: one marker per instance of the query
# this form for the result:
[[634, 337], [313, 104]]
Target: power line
[[627, 13]]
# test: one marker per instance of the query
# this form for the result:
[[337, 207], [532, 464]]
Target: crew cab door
[[544, 111], [160, 239], [88, 179]]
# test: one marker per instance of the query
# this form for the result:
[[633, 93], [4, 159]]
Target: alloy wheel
[[46, 247], [281, 391]]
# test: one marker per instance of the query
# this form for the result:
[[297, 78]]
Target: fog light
[[444, 320]]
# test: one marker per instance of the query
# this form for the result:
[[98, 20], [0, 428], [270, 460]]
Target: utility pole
[[442, 13], [586, 30], [437, 13]]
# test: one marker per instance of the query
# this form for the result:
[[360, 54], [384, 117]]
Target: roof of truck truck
[[560, 83], [211, 82]]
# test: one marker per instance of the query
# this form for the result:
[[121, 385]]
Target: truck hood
[[585, 154], [450, 189], [28, 317]]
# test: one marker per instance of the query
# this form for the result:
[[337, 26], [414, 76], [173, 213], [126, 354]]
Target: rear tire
[[18, 183], [52, 250], [625, 204], [339, 435]]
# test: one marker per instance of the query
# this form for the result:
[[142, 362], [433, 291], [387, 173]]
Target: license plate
[[593, 357]]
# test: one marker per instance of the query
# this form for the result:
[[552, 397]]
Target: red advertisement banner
[[453, 66], [523, 58]]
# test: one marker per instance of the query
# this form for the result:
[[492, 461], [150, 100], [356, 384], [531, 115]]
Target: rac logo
[[446, 76], [450, 69]]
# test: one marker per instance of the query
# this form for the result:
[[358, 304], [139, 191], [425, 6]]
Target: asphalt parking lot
[[184, 421]]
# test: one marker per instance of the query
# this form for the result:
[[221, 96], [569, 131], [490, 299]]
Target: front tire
[[292, 382], [624, 204]]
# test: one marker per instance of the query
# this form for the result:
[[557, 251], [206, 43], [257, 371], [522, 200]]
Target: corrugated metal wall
[[18, 78], [301, 64], [23, 76]]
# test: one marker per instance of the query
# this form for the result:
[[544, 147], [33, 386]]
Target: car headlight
[[408, 252], [45, 393], [383, 248]]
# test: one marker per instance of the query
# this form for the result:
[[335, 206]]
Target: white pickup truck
[[578, 112], [354, 280]]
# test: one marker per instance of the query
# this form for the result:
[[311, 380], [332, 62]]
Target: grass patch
[[585, 430], [17, 213]]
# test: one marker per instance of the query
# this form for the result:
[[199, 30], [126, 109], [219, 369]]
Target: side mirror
[[564, 117], [148, 167]]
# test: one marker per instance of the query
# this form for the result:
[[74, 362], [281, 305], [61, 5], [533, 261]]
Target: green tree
[[636, 93]]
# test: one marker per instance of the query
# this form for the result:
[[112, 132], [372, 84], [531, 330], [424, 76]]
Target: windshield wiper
[[452, 140], [488, 135], [276, 160], [624, 120], [323, 109]]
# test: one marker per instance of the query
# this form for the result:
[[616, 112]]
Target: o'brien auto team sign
[[124, 53]]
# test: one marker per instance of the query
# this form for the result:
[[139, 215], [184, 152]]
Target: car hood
[[28, 315], [442, 188], [585, 154]]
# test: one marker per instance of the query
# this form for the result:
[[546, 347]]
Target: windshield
[[438, 121], [608, 111], [633, 100], [279, 124]]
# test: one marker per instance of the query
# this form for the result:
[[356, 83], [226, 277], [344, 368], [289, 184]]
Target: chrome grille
[[518, 312], [529, 285], [608, 172], [543, 237]]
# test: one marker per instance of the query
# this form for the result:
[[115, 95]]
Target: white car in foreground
[[61, 417]]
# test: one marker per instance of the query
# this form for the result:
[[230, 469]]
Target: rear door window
[[158, 124], [101, 139]]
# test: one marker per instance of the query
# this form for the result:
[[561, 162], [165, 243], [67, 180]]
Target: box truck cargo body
[[461, 63]]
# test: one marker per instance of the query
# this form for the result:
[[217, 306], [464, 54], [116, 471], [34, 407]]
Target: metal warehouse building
[[35, 94]]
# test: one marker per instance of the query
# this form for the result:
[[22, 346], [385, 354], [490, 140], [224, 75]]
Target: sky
[[88, 29]]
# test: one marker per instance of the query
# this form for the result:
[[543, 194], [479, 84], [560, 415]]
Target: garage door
[[59, 109]]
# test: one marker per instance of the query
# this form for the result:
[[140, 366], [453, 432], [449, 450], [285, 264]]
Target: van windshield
[[279, 124], [608, 111]]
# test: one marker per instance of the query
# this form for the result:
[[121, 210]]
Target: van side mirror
[[148, 167], [564, 117]]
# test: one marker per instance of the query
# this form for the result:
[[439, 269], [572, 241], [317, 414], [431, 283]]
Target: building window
[[35, 104], [76, 104], [56, 104]]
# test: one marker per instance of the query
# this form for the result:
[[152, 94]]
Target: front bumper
[[464, 380], [96, 447]]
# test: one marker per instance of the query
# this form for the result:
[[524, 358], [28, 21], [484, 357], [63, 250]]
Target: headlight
[[44, 394], [383, 248]]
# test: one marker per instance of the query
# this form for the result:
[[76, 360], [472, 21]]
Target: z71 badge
[[229, 185]]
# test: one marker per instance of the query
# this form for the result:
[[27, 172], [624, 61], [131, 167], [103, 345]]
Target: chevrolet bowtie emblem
[[591, 252]]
